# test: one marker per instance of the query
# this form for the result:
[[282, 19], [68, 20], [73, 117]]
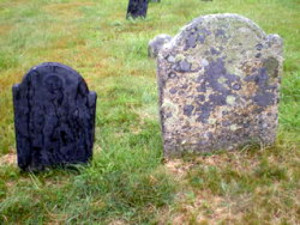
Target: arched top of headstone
[[56, 73], [54, 117], [226, 30]]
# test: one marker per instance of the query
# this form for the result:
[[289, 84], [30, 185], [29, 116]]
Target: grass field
[[127, 183]]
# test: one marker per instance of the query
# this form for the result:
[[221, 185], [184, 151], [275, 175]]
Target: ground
[[128, 182]]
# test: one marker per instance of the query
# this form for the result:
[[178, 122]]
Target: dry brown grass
[[9, 159]]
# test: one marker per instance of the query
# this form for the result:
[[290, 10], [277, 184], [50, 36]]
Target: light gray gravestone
[[219, 84], [157, 43]]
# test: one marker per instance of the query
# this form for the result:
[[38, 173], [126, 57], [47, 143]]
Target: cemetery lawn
[[128, 182]]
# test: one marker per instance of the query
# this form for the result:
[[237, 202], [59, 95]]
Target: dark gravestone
[[54, 117], [137, 8]]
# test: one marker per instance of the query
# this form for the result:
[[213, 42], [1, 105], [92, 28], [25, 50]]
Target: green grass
[[127, 183]]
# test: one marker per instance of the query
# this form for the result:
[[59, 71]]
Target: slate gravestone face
[[54, 117], [137, 8], [218, 83]]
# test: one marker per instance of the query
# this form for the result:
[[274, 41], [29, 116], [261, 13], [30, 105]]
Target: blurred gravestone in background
[[137, 8], [54, 117], [219, 81], [157, 43]]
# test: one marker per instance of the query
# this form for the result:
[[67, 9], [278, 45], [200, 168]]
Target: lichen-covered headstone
[[137, 8], [218, 83], [157, 43], [54, 117]]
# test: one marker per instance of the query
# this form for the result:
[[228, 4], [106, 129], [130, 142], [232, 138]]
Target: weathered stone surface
[[218, 85], [54, 117], [156, 44], [137, 8]]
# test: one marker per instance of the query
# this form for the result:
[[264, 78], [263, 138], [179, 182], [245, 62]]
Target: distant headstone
[[137, 8], [156, 44], [218, 83], [54, 117]]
